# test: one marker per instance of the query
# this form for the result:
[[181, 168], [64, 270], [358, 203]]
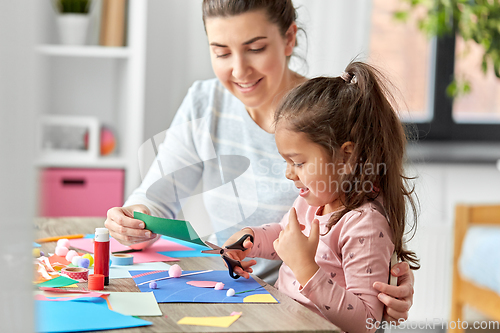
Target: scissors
[[231, 263]]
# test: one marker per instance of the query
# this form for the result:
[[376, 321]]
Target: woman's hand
[[240, 255], [296, 249], [124, 228], [398, 300]]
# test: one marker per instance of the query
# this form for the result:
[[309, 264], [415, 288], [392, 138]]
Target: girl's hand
[[296, 249], [398, 300], [124, 228], [240, 255]]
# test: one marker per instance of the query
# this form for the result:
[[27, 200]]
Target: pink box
[[80, 192]]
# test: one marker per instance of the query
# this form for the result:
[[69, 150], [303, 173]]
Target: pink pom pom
[[175, 271], [219, 286], [64, 242], [71, 254], [61, 251]]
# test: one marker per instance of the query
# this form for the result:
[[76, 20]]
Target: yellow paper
[[260, 298], [209, 321], [70, 286]]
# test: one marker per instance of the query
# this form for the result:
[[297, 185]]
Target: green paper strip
[[173, 228], [60, 281]]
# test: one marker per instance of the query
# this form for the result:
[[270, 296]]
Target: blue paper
[[36, 244], [81, 316], [176, 290], [196, 252]]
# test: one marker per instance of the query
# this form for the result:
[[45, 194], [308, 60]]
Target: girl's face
[[311, 168], [249, 56]]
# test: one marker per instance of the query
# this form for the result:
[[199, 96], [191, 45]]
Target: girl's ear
[[290, 39], [346, 150]]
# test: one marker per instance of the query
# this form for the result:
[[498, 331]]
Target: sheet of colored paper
[[57, 282], [149, 255], [177, 290], [195, 252], [134, 304], [174, 228], [209, 321], [36, 244], [67, 317], [121, 272]]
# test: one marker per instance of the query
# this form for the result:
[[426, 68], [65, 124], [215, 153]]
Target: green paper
[[174, 228], [60, 281], [134, 303]]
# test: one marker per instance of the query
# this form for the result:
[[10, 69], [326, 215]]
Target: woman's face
[[249, 56]]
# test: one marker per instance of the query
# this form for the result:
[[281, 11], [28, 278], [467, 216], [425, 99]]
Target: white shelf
[[79, 162], [84, 51]]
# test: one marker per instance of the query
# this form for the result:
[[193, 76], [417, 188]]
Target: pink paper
[[149, 255], [202, 284], [161, 245], [62, 299], [63, 291]]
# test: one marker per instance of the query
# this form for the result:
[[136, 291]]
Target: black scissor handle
[[238, 245], [231, 264]]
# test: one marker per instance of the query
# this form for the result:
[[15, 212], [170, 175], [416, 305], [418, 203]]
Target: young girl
[[344, 148]]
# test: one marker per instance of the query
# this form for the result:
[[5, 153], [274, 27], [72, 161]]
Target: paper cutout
[[70, 286], [67, 317], [174, 228], [260, 298], [194, 252], [202, 284], [134, 303], [176, 290], [82, 297], [148, 255], [49, 290], [122, 272], [225, 321], [55, 260], [36, 244], [56, 282]]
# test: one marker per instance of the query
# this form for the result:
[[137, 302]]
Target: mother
[[251, 42]]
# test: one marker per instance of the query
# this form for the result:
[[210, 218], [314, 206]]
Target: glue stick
[[101, 253]]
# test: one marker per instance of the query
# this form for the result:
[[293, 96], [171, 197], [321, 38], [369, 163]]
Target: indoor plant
[[73, 20]]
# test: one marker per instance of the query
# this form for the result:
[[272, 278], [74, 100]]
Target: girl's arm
[[366, 249], [264, 236]]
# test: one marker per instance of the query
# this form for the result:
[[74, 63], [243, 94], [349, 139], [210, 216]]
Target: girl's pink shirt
[[353, 255]]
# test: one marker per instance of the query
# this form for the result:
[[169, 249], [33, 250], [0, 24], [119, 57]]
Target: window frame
[[442, 127]]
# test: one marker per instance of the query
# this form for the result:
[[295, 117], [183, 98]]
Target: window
[[423, 69]]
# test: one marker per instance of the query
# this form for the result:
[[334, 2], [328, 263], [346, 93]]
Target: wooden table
[[287, 316]]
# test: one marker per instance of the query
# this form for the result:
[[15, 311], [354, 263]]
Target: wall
[[17, 108]]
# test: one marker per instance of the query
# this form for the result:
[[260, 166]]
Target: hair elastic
[[349, 78]]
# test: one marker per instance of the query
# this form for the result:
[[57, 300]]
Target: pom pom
[[61, 251], [153, 285], [64, 242], [71, 254], [90, 258], [219, 286], [230, 292], [36, 252], [175, 271], [84, 262], [76, 260]]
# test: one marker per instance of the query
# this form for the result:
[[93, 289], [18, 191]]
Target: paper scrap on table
[[178, 291], [134, 303], [194, 252], [260, 298], [56, 282], [81, 316], [202, 284], [36, 244], [148, 255], [174, 228], [122, 272], [225, 321]]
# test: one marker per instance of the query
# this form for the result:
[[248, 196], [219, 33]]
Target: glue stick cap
[[101, 234]]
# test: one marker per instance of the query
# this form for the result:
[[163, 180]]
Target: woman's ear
[[290, 39]]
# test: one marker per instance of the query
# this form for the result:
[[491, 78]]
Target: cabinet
[[107, 83]]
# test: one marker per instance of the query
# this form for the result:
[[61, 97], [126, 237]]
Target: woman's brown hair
[[358, 107], [280, 12]]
